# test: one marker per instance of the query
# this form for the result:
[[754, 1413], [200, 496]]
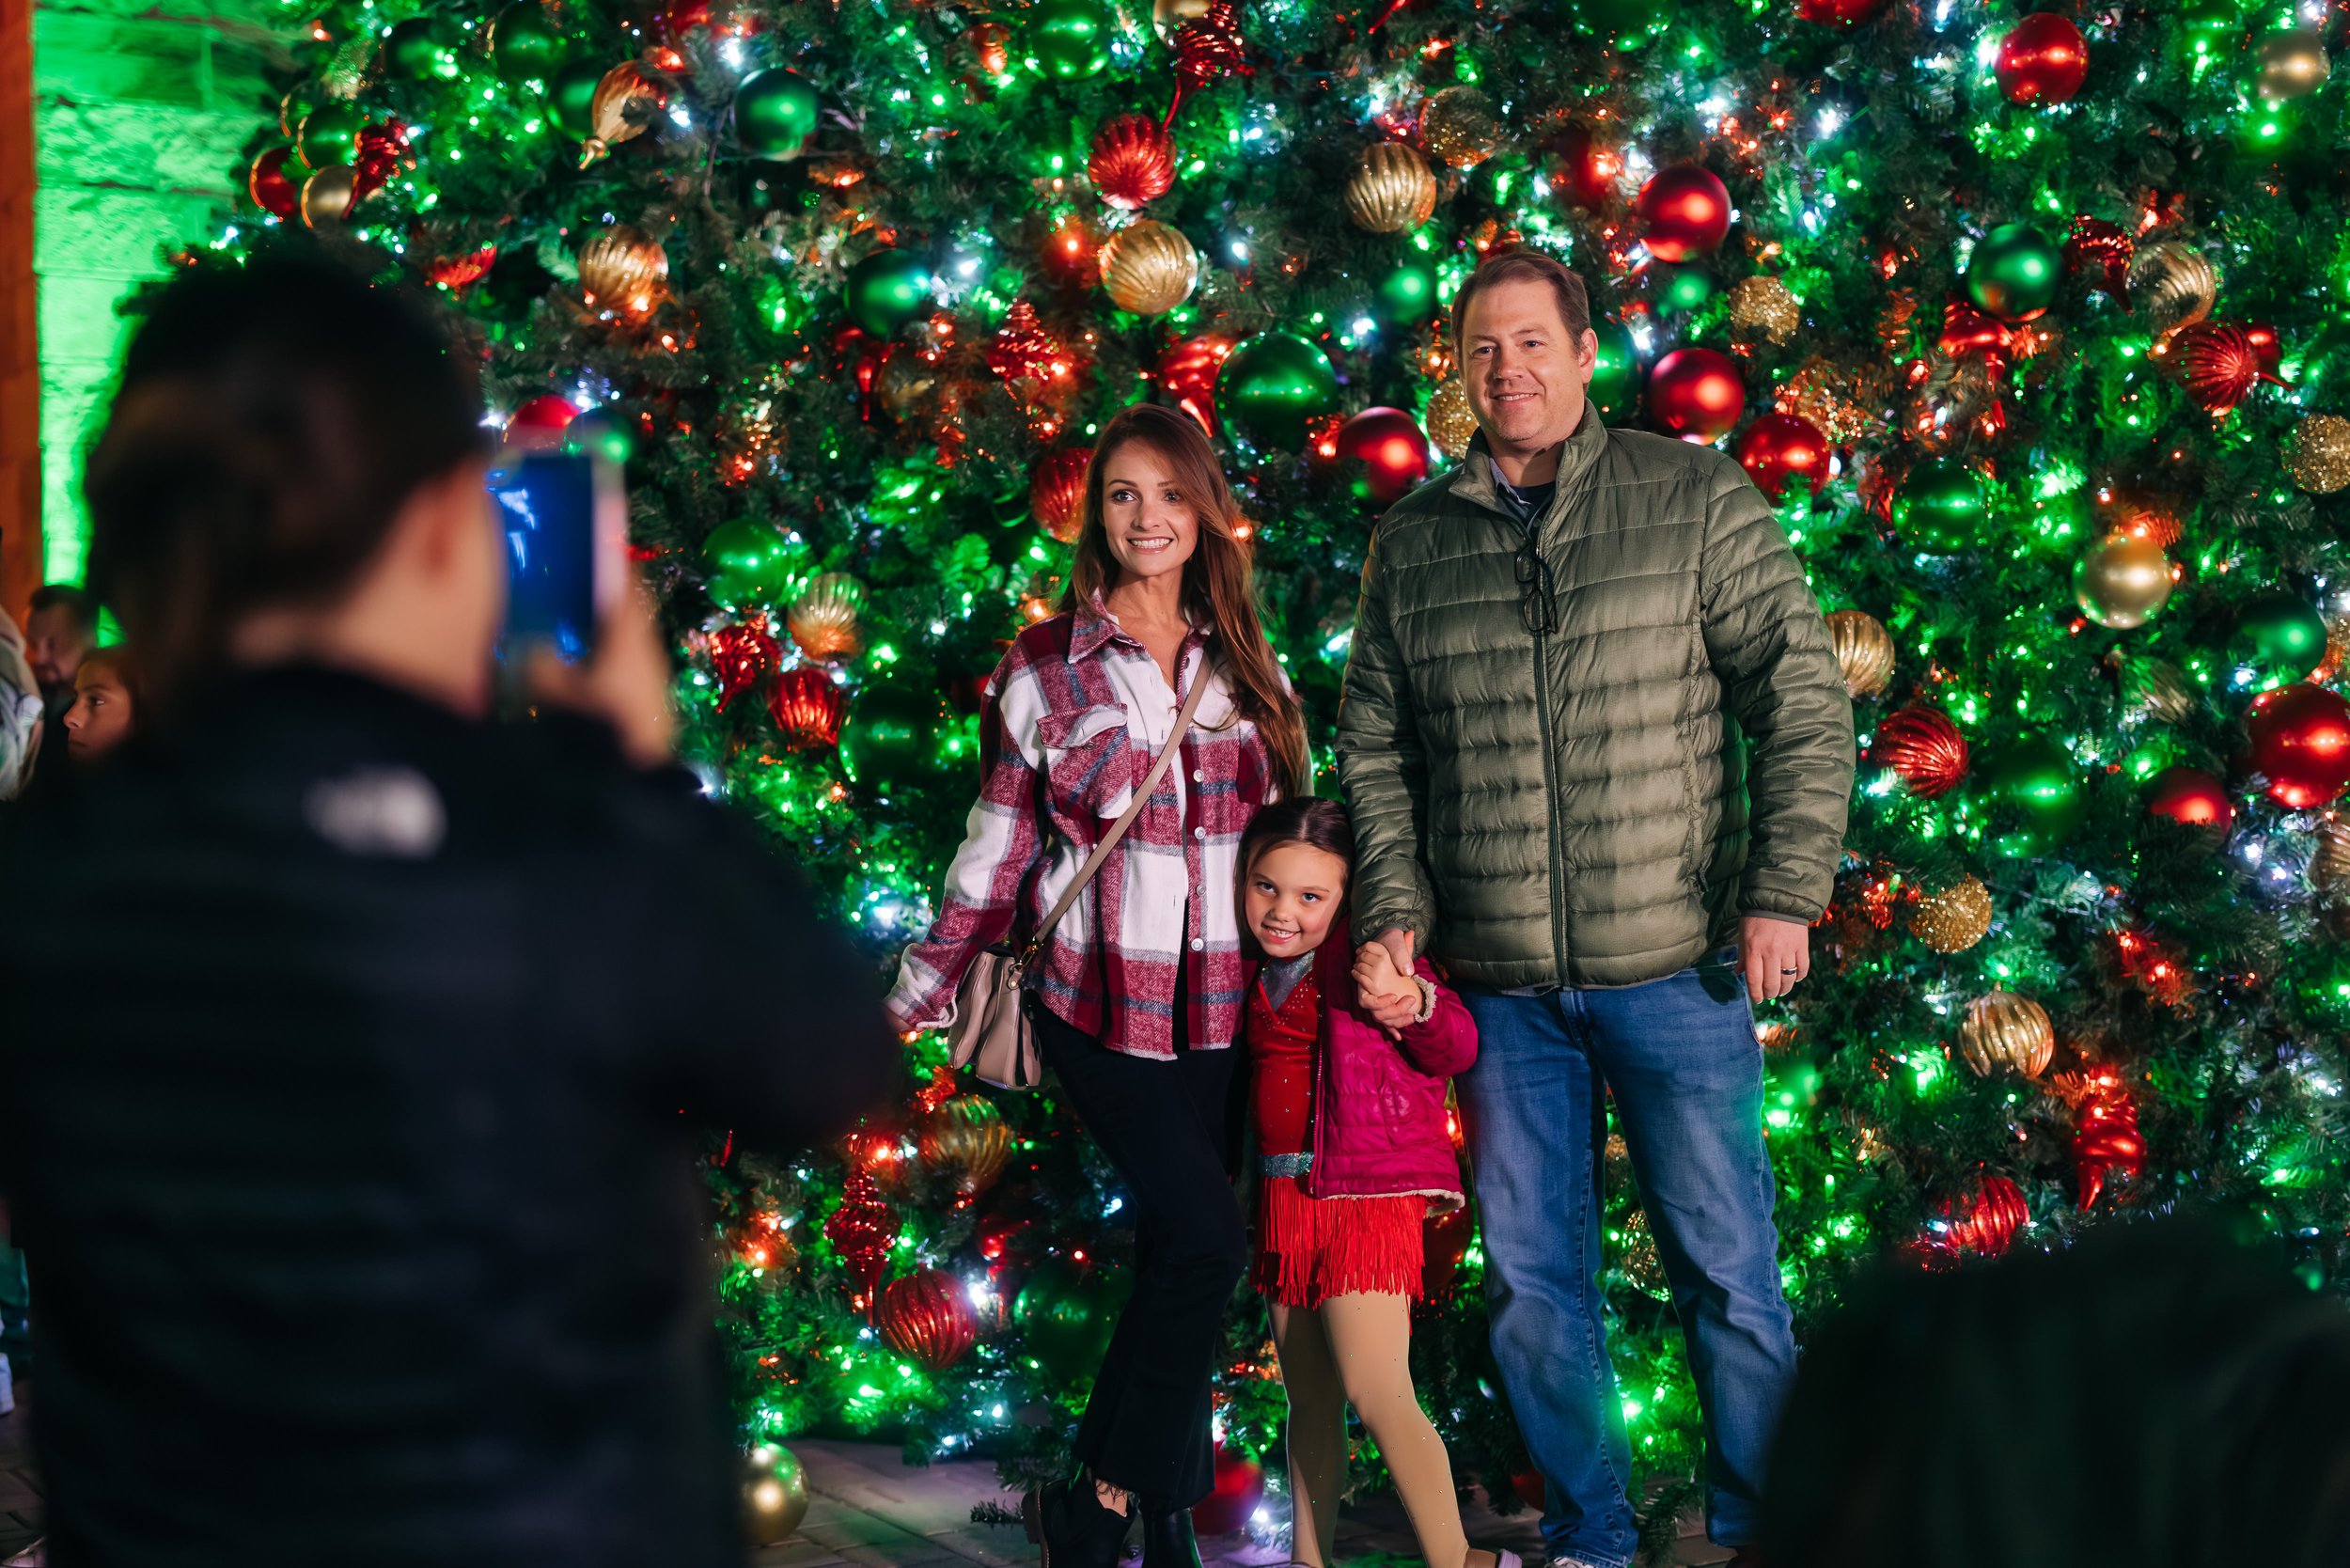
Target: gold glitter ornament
[[2329, 860], [1953, 920], [1460, 128], [1451, 424], [1826, 396], [824, 619], [1864, 651], [2317, 453], [625, 271], [2171, 285], [2003, 1031], [1148, 268], [621, 110], [1391, 190], [1764, 307], [1638, 1261]]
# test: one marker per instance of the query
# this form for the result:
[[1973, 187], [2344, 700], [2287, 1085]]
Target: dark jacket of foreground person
[[350, 1056]]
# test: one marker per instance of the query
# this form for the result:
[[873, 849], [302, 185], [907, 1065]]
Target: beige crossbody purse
[[991, 1034]]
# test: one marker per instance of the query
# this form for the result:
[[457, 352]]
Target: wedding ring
[[1790, 971]]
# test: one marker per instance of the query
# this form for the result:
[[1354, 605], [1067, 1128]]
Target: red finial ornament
[[1057, 492], [862, 1231], [1187, 371], [1028, 358], [2106, 1141], [1132, 163]]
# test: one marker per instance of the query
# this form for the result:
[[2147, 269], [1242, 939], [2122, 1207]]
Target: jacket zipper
[[1550, 801]]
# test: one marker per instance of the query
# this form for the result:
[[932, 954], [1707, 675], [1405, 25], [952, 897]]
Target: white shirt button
[[1197, 944], [1199, 832], [1198, 775]]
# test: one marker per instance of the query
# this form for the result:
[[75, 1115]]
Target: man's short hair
[[76, 604], [1512, 266]]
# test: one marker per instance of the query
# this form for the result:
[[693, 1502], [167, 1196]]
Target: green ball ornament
[[1687, 288], [1615, 388], [524, 44], [416, 49], [751, 564], [2035, 778], [1409, 293], [572, 97], [891, 736], [1066, 39], [1272, 387], [2278, 639], [2014, 271], [887, 290], [1940, 506], [1066, 1316], [775, 111], [328, 135], [605, 435]]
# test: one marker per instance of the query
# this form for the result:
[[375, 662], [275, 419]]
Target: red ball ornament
[[2217, 363], [540, 422], [1133, 162], [2044, 59], [1987, 1223], [1839, 13], [1393, 452], [928, 1317], [809, 705], [1239, 1489], [1187, 371], [1696, 394], [1967, 330], [2190, 795], [2301, 741], [1920, 744], [1444, 1246], [862, 1231], [1684, 212], [2102, 249], [270, 187], [1057, 492], [740, 657], [1779, 448]]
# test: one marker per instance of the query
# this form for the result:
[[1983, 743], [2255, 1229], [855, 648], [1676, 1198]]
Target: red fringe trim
[[1309, 1249]]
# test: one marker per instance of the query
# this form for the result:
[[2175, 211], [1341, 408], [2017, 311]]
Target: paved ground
[[867, 1508]]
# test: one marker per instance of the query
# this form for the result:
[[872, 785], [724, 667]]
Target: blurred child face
[[1291, 895], [99, 719]]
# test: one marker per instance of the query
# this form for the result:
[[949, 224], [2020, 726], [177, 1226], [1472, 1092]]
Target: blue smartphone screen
[[546, 509]]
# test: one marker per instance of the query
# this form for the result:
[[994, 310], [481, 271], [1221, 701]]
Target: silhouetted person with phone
[[349, 1062]]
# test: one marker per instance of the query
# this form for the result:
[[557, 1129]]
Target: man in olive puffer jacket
[[1598, 754]]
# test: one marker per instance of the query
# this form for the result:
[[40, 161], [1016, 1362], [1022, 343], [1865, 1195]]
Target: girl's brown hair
[[1323, 824], [1219, 581]]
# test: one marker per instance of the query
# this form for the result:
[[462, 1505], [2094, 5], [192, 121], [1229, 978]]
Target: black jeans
[[1166, 1126]]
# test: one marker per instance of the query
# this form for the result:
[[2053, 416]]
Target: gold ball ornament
[[2329, 858], [1391, 190], [2003, 1031], [2317, 453], [1764, 307], [824, 621], [1148, 268], [1953, 920], [328, 196], [967, 1139], [1459, 128], [1864, 651], [623, 271], [2122, 583], [775, 1494], [2293, 64], [2155, 689], [2171, 285], [1451, 424], [621, 110], [1166, 16]]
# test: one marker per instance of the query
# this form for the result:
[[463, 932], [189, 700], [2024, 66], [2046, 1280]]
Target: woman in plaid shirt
[[1139, 990]]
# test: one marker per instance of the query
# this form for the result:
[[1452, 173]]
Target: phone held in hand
[[564, 517]]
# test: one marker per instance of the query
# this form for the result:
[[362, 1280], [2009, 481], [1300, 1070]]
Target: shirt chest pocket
[[1088, 761]]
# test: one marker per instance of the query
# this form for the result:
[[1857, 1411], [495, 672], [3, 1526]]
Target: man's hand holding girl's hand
[[1389, 995]]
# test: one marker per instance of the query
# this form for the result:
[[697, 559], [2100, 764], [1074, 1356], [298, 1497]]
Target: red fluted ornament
[[740, 657], [381, 151], [1208, 48], [2105, 1140], [1696, 394], [2044, 59], [1839, 13], [2218, 364], [1920, 744], [1388, 443], [928, 1317], [1985, 1223], [1187, 371], [2103, 250], [272, 189], [1057, 492], [1132, 163], [2301, 742], [1779, 447], [1684, 212], [809, 705], [2190, 795], [862, 1231]]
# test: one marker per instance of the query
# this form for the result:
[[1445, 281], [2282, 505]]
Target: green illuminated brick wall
[[140, 108]]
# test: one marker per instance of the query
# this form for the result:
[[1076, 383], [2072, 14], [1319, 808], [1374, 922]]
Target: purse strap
[[1126, 818]]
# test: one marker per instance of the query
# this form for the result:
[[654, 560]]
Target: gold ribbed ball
[[2317, 453], [1952, 921], [2004, 1033], [2293, 64], [1148, 268], [824, 621], [1459, 128], [2171, 285], [623, 270], [2329, 860], [1451, 424], [1864, 651], [966, 1138], [1764, 307], [1391, 190]]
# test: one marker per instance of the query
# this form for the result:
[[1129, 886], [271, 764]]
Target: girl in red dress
[[1348, 1061]]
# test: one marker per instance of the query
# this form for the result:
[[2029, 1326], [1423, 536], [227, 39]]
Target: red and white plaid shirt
[[1074, 718]]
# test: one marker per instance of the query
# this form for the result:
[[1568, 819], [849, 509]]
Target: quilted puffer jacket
[[1595, 806]]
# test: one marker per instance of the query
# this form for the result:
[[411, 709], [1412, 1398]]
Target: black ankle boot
[[1072, 1528], [1167, 1541]]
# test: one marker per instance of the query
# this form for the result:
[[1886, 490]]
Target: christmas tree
[[2036, 329]]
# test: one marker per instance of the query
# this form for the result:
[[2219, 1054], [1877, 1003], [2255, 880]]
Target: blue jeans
[[1686, 1071]]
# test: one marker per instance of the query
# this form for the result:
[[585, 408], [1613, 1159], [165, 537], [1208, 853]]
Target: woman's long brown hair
[[1219, 580]]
